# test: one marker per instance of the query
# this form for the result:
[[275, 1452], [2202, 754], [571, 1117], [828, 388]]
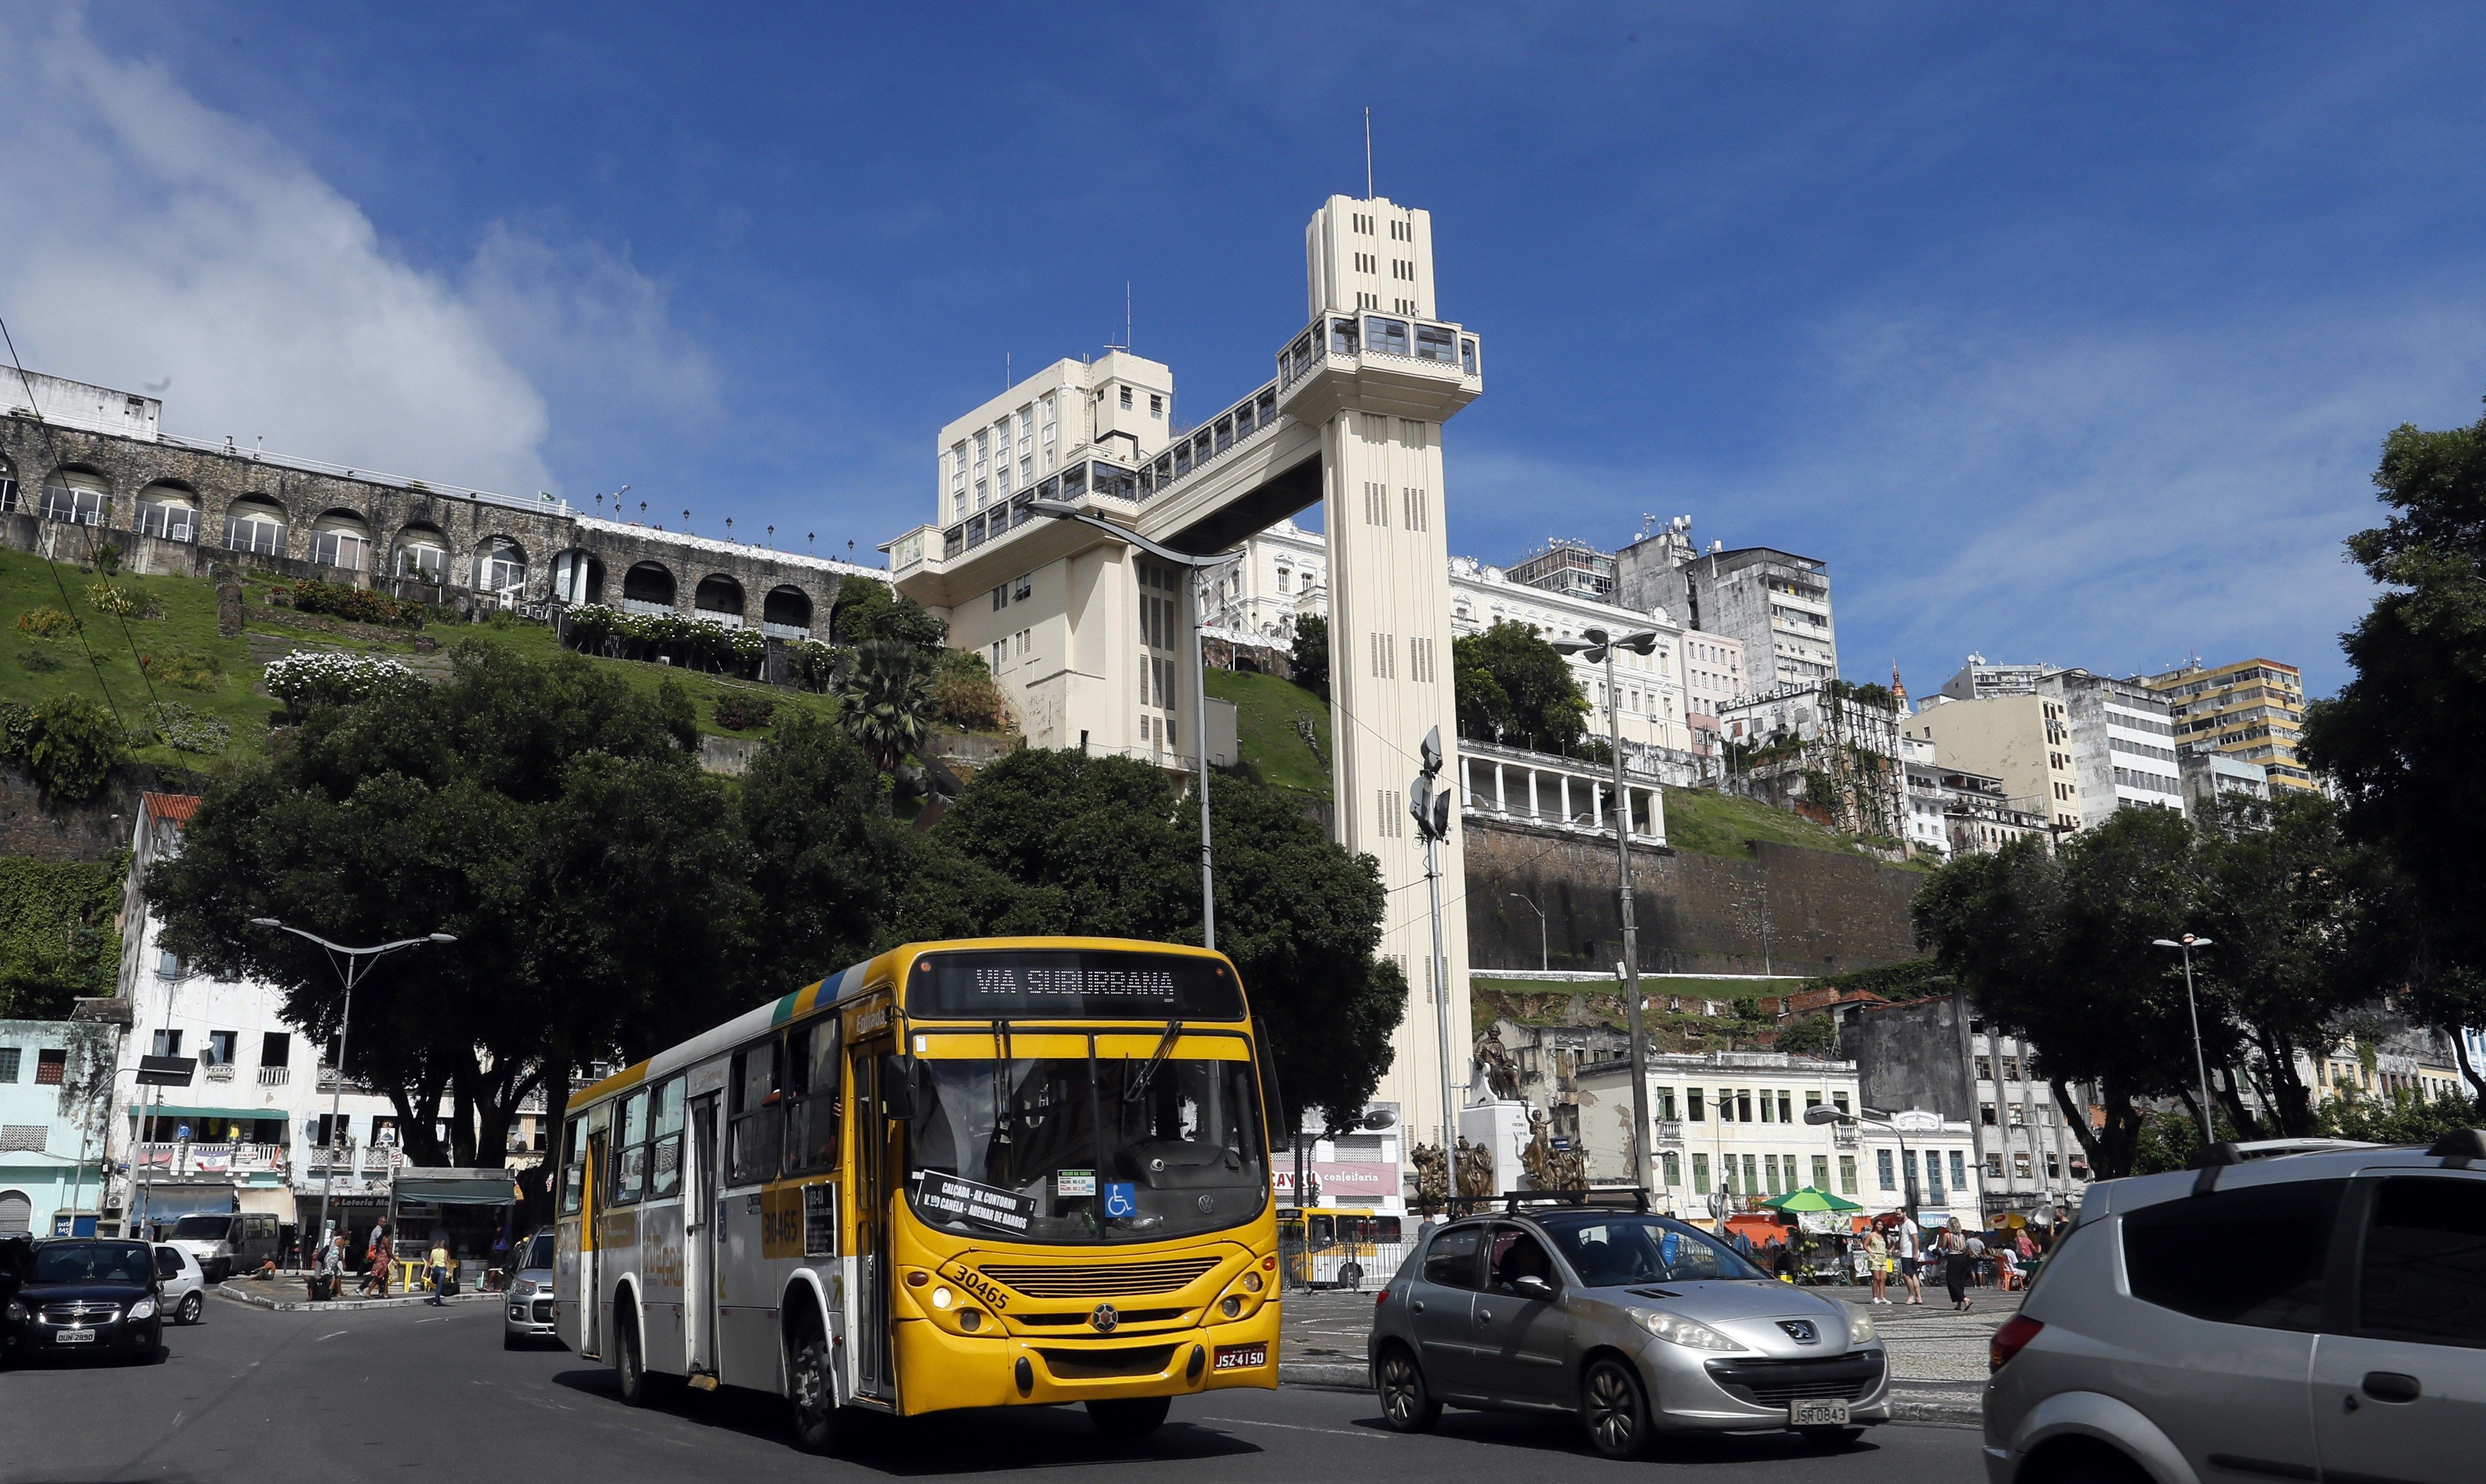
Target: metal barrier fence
[[1355, 1268]]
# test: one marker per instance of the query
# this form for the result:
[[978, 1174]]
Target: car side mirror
[[1532, 1287], [897, 1088]]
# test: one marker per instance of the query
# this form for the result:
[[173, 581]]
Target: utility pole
[[1432, 811]]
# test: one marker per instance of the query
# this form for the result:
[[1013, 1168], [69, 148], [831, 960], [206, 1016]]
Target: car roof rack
[[2460, 1146], [1513, 1203], [2213, 1157]]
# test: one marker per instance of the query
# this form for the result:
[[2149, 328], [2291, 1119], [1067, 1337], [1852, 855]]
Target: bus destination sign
[[1072, 984], [937, 1195]]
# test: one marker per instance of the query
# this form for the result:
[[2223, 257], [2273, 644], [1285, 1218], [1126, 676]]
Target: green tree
[[2398, 739], [826, 860], [1066, 842], [1514, 687], [886, 703], [545, 814], [870, 611], [69, 744], [1308, 662]]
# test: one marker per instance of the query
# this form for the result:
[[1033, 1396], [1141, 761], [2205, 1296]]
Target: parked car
[[226, 1245], [532, 1301], [2292, 1309], [86, 1296], [180, 1284], [1636, 1324]]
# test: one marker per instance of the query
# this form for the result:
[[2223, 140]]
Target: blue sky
[[2061, 334]]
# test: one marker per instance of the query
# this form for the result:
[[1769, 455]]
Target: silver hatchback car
[[532, 1301], [2288, 1311], [1638, 1325]]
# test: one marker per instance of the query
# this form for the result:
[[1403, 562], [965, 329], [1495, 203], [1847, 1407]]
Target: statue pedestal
[[1498, 1129]]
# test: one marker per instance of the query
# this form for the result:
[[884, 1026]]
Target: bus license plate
[[73, 1337], [1237, 1358], [1817, 1411]]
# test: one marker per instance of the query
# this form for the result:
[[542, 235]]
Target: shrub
[[107, 560], [186, 731], [327, 677], [38, 660], [964, 695], [738, 713], [17, 731], [362, 605], [105, 597], [70, 747], [192, 669], [49, 624]]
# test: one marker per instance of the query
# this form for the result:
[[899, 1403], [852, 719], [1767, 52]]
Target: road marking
[[443, 1319], [333, 1336], [1296, 1427]]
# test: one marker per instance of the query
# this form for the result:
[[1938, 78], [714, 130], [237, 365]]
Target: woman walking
[[1957, 1264], [1877, 1256]]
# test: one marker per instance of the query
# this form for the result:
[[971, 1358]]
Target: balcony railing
[[181, 1156], [220, 1071], [1669, 1131], [274, 1076]]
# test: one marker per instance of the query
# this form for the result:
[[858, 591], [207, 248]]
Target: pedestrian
[[1979, 1266], [375, 1264], [332, 1266], [1877, 1256], [1912, 1239], [439, 1273], [1956, 1264]]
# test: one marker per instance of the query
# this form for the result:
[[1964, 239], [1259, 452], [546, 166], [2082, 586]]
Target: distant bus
[[986, 1172]]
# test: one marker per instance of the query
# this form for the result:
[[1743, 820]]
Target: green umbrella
[[1809, 1199]]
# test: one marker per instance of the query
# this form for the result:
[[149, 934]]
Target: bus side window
[[665, 1139], [757, 1112], [573, 1167], [813, 1063]]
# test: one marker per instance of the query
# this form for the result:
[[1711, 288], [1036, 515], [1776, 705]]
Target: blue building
[[55, 1091]]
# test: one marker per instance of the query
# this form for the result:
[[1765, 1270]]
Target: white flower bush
[[327, 677]]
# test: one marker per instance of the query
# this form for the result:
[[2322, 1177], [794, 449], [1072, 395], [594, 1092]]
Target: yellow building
[[2250, 710]]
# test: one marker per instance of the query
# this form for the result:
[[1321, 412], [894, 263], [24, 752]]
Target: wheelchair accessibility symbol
[[1122, 1198]]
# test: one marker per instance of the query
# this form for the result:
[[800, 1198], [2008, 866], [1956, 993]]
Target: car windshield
[[91, 1262], [202, 1228], [539, 1251], [1608, 1251], [1071, 1149]]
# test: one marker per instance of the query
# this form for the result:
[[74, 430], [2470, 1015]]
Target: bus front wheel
[[1129, 1417], [815, 1398]]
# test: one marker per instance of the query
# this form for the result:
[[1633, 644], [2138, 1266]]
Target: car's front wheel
[[1408, 1404], [1614, 1408], [192, 1306]]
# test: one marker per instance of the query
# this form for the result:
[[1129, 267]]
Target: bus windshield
[[1042, 1150]]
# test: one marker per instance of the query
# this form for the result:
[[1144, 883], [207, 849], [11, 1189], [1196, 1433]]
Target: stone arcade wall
[[1781, 909], [41, 453]]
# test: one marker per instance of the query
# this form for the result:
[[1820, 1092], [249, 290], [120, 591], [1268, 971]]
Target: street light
[[1827, 1112], [351, 973], [1544, 958], [2201, 1062], [1432, 811], [1063, 509], [1598, 647]]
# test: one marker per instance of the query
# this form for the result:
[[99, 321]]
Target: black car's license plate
[[1817, 1411], [73, 1337]]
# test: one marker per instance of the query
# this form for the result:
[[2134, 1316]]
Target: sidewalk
[[286, 1296]]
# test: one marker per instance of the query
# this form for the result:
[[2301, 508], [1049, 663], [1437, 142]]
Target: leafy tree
[[545, 814], [2399, 739], [870, 611], [826, 859], [2404, 1119], [886, 703], [1066, 842], [69, 744], [1515, 687], [1309, 660], [964, 695]]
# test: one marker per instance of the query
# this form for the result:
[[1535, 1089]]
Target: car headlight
[[523, 1288], [1860, 1327], [143, 1308], [1675, 1330]]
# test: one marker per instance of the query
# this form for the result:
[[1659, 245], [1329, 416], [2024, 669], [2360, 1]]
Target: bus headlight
[[1232, 1306], [1251, 1281], [970, 1321], [943, 1298]]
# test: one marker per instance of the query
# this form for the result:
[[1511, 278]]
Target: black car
[[85, 1296]]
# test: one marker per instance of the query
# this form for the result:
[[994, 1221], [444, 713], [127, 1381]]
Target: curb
[[334, 1306], [1930, 1408], [1325, 1373]]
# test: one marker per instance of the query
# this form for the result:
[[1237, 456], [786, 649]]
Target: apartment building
[[1571, 568], [2066, 744], [55, 1089], [1952, 811], [2251, 710], [1775, 604], [2123, 742]]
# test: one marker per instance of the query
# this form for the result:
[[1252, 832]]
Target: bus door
[[591, 1248], [699, 1245], [872, 1198]]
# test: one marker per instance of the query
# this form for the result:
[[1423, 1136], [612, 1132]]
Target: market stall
[[471, 1212]]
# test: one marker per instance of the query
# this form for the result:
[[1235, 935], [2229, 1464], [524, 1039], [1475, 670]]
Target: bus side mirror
[[897, 1088]]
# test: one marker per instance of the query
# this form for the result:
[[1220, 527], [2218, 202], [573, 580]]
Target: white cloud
[[148, 236]]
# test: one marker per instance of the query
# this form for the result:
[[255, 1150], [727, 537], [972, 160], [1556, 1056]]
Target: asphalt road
[[341, 1397]]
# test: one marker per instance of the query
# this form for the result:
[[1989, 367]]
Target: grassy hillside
[[1266, 710], [1709, 823], [187, 664]]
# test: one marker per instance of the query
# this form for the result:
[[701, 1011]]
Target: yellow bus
[[989, 1173], [1340, 1247]]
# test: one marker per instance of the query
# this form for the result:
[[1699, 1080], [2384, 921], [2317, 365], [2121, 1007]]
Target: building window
[[2020, 1165], [1985, 1111], [51, 1068], [1881, 1167], [1666, 1104], [1692, 1105], [1994, 1166], [1786, 1110], [9, 1058], [1700, 1173], [1847, 1175], [2054, 1167], [220, 1049], [168, 1043], [275, 1048], [1743, 1107], [1958, 1170], [1752, 1175], [1673, 1164], [1821, 1172]]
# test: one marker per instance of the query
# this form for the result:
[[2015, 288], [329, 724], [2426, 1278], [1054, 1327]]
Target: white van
[[226, 1245]]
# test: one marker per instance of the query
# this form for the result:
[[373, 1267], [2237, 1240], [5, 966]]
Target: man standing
[[1911, 1253], [439, 1271]]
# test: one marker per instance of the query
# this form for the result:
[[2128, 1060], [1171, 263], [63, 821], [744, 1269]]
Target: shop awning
[[208, 1114], [445, 1187]]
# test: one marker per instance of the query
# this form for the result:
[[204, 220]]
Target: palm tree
[[886, 703]]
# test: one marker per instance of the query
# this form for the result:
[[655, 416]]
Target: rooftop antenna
[[1367, 153], [1126, 313]]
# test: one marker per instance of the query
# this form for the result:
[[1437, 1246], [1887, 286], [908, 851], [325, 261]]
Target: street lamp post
[[1827, 1112], [1063, 509], [1432, 811], [1598, 647], [352, 972], [2201, 1060], [1545, 956]]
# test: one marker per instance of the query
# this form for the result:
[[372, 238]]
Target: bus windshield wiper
[[1001, 1080], [1137, 1087]]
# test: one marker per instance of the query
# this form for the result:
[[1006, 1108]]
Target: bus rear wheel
[[1129, 1417], [815, 1398], [630, 1366]]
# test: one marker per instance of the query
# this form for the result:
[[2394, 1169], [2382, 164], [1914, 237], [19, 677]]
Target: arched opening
[[342, 540], [16, 1212], [577, 577], [77, 494], [169, 509], [422, 554], [648, 588], [786, 613], [718, 599], [255, 524], [500, 568]]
